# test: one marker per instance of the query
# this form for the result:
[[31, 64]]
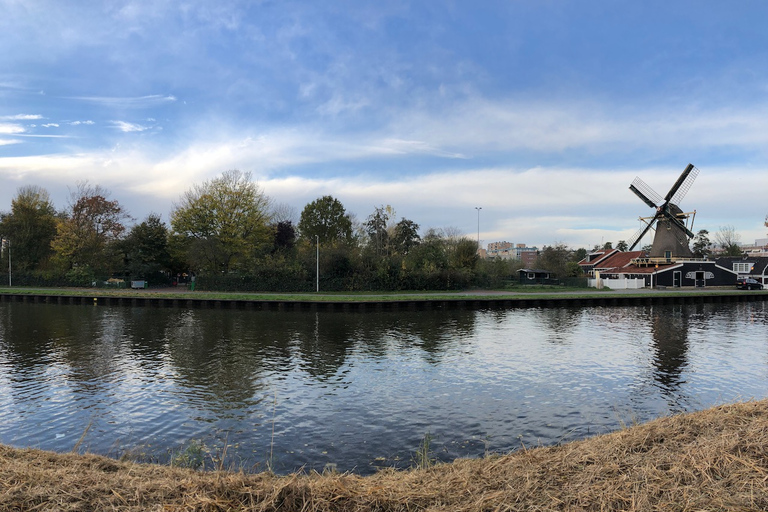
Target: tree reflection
[[560, 322], [230, 354]]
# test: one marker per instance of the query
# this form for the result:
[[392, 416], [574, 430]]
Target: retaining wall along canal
[[490, 302]]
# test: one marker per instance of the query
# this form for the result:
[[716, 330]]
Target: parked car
[[747, 283]]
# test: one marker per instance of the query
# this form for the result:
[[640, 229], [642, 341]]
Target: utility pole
[[478, 208], [5, 241], [317, 260]]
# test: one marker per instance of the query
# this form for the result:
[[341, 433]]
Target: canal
[[359, 391]]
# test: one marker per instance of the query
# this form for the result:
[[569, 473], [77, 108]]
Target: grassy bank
[[521, 292], [711, 460]]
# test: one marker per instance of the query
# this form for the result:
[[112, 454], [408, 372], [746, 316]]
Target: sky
[[519, 121]]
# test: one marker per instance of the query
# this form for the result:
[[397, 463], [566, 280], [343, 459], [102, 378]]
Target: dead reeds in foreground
[[711, 460]]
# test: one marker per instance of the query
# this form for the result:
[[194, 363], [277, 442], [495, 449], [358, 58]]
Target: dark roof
[[759, 263]]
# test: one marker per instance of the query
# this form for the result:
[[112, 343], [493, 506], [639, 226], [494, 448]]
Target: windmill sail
[[686, 183]]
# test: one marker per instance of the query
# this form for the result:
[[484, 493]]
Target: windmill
[[672, 232]]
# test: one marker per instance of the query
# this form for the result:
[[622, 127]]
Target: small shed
[[534, 276]]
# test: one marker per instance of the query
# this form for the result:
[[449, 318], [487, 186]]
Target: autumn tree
[[30, 226], [86, 237], [326, 219], [222, 225]]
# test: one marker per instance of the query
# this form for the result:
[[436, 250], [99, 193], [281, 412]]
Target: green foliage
[[145, 248], [464, 254], [430, 255], [406, 236], [222, 224], [192, 456], [30, 226], [702, 245], [423, 458], [555, 259], [376, 228], [326, 219], [81, 276]]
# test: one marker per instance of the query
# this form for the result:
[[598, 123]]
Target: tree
[[146, 247], [326, 219], [728, 240], [87, 236], [555, 258], [622, 245], [223, 223], [285, 235], [701, 244], [579, 254], [31, 226], [376, 228], [429, 255], [464, 253], [406, 236]]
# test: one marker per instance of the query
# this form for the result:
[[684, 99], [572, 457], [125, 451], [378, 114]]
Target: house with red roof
[[634, 269]]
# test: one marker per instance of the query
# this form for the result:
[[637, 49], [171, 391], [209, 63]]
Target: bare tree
[[727, 239]]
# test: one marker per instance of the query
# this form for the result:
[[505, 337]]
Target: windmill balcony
[[651, 262]]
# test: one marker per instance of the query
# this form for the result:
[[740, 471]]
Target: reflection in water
[[669, 327], [360, 390]]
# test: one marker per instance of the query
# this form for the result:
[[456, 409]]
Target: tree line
[[231, 236]]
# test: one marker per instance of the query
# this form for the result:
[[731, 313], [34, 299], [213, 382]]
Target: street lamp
[[6, 242], [478, 208], [317, 260]]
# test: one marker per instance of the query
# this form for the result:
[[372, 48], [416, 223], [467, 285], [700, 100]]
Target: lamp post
[[6, 242], [317, 261], [478, 208]]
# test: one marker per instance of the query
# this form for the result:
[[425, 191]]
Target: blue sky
[[540, 112]]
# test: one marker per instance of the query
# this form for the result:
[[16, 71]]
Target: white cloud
[[8, 142], [502, 125], [78, 123], [22, 117], [11, 129], [128, 102], [50, 125], [129, 127]]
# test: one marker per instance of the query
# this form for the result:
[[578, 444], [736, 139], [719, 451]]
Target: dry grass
[[711, 460]]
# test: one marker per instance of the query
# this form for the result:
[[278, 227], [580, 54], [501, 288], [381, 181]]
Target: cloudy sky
[[539, 112]]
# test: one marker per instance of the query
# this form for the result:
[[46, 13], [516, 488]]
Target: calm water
[[361, 390]]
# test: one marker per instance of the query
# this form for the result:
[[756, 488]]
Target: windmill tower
[[672, 234]]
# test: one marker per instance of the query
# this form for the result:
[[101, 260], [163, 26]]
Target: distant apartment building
[[510, 251], [759, 248]]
